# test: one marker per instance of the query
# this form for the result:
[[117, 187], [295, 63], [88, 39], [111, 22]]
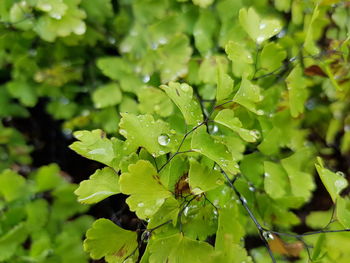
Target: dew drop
[[340, 183], [123, 132], [341, 174], [255, 134], [98, 151], [260, 112], [140, 204], [260, 39], [80, 29], [266, 174], [267, 235], [262, 26], [185, 87], [46, 7], [163, 139], [56, 16], [146, 78], [251, 188]]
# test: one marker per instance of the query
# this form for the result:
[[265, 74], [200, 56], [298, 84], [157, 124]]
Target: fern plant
[[40, 221]]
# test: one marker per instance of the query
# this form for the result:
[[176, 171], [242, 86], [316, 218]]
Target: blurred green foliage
[[254, 88]]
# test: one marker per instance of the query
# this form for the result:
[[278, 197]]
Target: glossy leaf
[[182, 95], [102, 184], [105, 239], [276, 180], [248, 96], [297, 91], [178, 248], [259, 28], [107, 95], [333, 182], [94, 145], [12, 185], [226, 117], [203, 179], [203, 143], [146, 192], [144, 131]]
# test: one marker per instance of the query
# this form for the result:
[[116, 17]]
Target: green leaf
[[178, 248], [276, 180], [98, 13], [144, 131], [248, 96], [343, 211], [182, 95], [333, 182], [203, 31], [202, 178], [10, 241], [13, 186], [114, 67], [177, 53], [24, 91], [272, 57], [203, 3], [237, 52], [58, 24], [227, 118], [230, 226], [37, 215], [259, 28], [94, 145], [107, 95], [203, 143], [47, 178], [152, 100], [168, 211], [297, 91], [102, 184], [105, 239], [293, 165], [309, 43], [224, 82], [142, 183]]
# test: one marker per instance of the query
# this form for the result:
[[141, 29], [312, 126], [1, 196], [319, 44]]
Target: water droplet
[[146, 78], [123, 132], [197, 191], [251, 188], [340, 183], [80, 29], [347, 128], [186, 210], [46, 7], [266, 174], [185, 87], [260, 112], [140, 204], [148, 212], [163, 139], [97, 151], [255, 134], [262, 26], [243, 199], [260, 39], [111, 40], [261, 97], [161, 152], [162, 41], [267, 235], [341, 174], [56, 16], [124, 48]]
